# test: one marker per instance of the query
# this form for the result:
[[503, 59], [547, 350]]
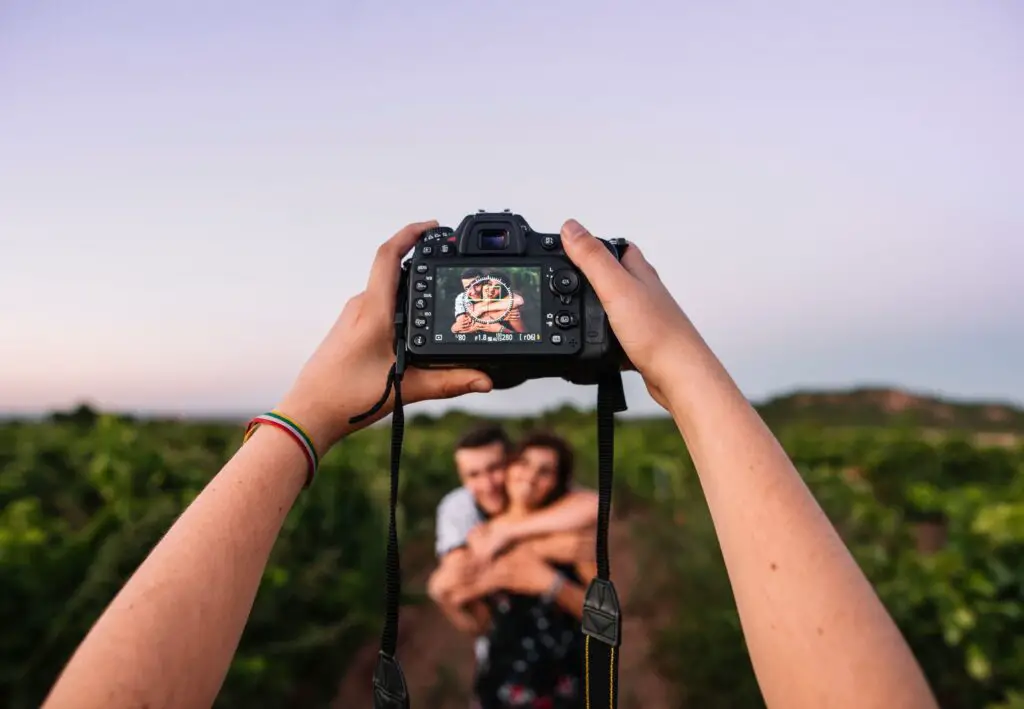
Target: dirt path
[[438, 660]]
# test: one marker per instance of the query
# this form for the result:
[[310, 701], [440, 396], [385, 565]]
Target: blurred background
[[189, 192]]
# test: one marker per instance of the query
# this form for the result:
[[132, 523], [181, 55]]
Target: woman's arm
[[817, 634], [182, 612], [167, 638]]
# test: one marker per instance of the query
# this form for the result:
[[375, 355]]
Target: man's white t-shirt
[[457, 514], [461, 303]]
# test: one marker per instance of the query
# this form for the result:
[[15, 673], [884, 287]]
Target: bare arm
[[473, 617], [167, 638], [565, 547], [522, 571], [182, 612], [576, 510], [816, 631]]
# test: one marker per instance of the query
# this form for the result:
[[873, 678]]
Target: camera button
[[419, 340], [565, 282], [422, 268], [565, 319], [420, 304], [556, 339], [549, 242], [446, 249], [420, 322], [427, 250], [420, 286]]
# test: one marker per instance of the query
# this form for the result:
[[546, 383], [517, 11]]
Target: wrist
[[322, 428]]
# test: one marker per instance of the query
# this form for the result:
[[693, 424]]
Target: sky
[[190, 191]]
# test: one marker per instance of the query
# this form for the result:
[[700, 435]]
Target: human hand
[[457, 570], [518, 571], [646, 319], [463, 323], [347, 373], [486, 540]]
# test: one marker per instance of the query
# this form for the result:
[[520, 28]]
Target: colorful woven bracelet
[[282, 422]]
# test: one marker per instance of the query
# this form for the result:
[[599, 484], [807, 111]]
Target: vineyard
[[935, 516]]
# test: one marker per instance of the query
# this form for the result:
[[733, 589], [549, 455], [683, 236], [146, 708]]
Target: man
[[464, 541], [463, 322]]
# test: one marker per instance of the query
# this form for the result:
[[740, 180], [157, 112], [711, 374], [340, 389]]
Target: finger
[[387, 263], [427, 385], [598, 264]]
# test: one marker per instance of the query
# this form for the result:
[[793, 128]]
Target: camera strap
[[602, 615], [389, 687]]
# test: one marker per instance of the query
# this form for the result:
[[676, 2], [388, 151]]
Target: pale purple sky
[[189, 191]]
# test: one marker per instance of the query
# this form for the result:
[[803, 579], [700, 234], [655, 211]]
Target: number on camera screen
[[478, 304]]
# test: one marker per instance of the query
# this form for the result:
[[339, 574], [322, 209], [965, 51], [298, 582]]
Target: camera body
[[496, 296]]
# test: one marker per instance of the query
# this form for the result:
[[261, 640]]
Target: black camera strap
[[389, 687], [602, 617]]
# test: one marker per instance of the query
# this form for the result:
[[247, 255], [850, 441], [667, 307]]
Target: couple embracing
[[516, 552]]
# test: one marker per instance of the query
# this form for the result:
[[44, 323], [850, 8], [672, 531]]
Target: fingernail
[[574, 230], [480, 385]]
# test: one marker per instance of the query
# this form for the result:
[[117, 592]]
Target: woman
[[532, 602]]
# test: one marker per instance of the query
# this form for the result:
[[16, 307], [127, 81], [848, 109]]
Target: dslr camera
[[497, 296]]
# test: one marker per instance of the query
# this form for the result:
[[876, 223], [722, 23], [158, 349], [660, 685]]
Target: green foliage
[[84, 496]]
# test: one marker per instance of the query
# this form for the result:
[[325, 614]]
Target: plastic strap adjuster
[[389, 689], [602, 616]]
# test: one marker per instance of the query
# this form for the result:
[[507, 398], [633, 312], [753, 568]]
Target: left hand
[[348, 371]]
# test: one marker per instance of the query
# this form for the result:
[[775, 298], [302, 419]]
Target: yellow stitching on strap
[[611, 680], [586, 671]]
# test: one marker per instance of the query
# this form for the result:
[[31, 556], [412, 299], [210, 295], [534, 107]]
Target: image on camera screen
[[479, 304]]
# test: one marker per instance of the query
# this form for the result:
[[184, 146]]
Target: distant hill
[[890, 406], [868, 406]]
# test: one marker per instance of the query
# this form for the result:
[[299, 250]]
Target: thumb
[[592, 257], [427, 384]]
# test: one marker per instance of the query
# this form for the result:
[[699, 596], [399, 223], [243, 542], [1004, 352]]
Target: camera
[[496, 296]]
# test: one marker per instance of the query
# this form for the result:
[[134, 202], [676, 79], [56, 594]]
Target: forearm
[[183, 611], [566, 547], [802, 599], [575, 511]]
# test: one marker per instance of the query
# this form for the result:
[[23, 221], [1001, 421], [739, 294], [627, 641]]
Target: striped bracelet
[[293, 429]]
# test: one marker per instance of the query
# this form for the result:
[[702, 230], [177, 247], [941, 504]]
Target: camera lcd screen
[[481, 304]]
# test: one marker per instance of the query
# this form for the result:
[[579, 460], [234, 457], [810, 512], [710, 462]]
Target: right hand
[[646, 319]]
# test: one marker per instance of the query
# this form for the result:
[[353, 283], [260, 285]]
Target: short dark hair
[[473, 273], [501, 276], [563, 450], [484, 435]]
